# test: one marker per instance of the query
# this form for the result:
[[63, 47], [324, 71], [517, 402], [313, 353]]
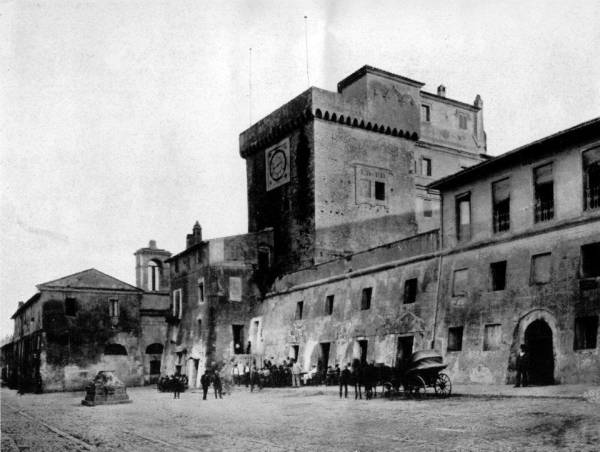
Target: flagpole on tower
[[306, 45], [250, 85]]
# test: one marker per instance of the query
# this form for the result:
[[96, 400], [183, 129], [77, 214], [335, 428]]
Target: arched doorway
[[538, 339]]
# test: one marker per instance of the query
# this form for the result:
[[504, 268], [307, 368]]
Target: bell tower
[[151, 270]]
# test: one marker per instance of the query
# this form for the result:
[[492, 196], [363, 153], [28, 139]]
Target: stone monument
[[105, 389]]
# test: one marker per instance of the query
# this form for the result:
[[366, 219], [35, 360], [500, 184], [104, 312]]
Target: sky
[[119, 120]]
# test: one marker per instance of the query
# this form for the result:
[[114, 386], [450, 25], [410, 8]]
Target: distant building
[[89, 321]]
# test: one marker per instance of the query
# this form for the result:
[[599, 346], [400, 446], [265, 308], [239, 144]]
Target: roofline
[[456, 103], [25, 305], [49, 283], [366, 69], [457, 178]]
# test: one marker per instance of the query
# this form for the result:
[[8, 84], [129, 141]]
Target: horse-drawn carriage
[[422, 371]]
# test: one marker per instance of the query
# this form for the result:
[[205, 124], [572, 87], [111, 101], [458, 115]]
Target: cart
[[422, 371]]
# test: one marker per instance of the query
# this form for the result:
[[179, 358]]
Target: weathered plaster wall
[[73, 346], [561, 301], [345, 222]]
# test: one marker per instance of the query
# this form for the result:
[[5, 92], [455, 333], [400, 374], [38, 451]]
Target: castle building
[[334, 173], [80, 324], [329, 175], [360, 266]]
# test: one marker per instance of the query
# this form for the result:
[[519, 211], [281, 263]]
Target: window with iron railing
[[591, 179], [501, 205], [544, 193]]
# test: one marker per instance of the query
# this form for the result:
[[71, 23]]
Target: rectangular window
[[329, 305], [235, 288], [425, 113], [541, 266], [379, 191], [70, 307], [365, 300], [426, 167], [177, 303], [586, 332], [462, 121], [299, 309], [455, 335], [544, 193], [501, 205], [590, 260], [410, 290], [460, 282], [201, 290], [238, 339], [591, 178], [491, 337], [113, 307], [199, 327], [463, 217], [427, 212], [498, 275]]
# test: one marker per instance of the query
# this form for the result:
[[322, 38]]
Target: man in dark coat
[[217, 385], [345, 375], [205, 381], [522, 367]]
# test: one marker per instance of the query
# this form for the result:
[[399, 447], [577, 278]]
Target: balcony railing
[[501, 220], [544, 210], [592, 197]]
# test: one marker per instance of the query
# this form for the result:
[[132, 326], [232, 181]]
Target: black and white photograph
[[302, 225]]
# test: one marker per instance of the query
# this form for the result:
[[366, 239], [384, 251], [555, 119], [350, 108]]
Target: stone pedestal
[[106, 389]]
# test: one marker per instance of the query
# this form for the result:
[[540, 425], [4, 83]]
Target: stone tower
[[151, 270]]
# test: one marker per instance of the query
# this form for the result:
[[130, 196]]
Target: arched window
[[154, 349], [114, 349], [153, 275]]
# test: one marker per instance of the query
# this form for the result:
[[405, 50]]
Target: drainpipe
[[439, 273]]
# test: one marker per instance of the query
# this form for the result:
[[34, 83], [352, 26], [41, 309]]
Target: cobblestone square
[[306, 419]]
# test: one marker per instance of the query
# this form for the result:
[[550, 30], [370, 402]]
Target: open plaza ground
[[307, 419]]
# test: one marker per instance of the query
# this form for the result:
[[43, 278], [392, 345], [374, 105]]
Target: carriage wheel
[[416, 387], [443, 385]]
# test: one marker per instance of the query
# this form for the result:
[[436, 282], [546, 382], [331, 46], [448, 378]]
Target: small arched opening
[[154, 271]]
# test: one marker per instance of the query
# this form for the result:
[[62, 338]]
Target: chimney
[[478, 101], [195, 237], [21, 303], [441, 91], [152, 244]]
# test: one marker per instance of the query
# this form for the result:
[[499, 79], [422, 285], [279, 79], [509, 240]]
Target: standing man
[[217, 385], [248, 348], [296, 370], [522, 367], [246, 374], [205, 383], [344, 380], [235, 374]]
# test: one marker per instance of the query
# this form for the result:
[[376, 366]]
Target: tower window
[[153, 276], [201, 290], [299, 309], [365, 300], [410, 291], [425, 113], [426, 167], [329, 304], [379, 191]]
